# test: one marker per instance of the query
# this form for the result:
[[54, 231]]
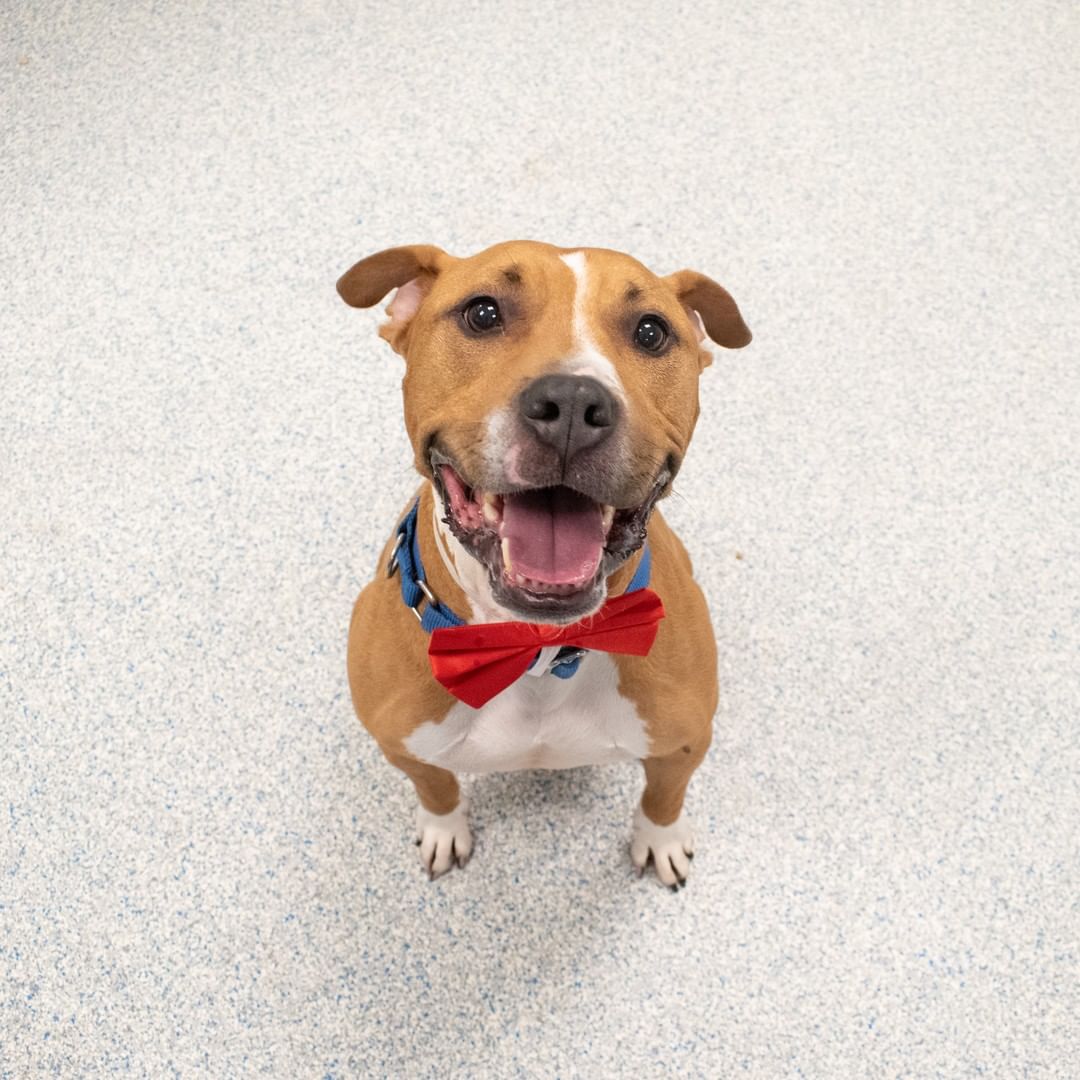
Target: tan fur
[[451, 385]]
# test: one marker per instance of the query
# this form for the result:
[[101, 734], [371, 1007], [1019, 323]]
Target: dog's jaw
[[477, 541], [469, 574]]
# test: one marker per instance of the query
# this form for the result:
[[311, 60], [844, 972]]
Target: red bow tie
[[476, 662]]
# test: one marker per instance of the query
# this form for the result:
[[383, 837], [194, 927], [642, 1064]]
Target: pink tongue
[[556, 535]]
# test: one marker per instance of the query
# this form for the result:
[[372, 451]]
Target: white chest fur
[[539, 723]]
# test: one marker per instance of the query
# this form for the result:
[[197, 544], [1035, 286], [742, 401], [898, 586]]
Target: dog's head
[[550, 395]]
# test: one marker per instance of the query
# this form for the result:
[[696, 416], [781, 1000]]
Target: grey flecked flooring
[[205, 866]]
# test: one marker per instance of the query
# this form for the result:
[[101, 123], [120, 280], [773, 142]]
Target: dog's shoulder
[[674, 688], [389, 675]]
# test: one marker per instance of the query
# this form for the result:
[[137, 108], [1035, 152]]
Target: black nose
[[568, 412]]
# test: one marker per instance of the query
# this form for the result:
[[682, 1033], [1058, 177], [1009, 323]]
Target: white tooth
[[506, 555], [491, 511], [520, 579], [609, 517]]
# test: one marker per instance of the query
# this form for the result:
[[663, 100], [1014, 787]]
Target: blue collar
[[405, 558]]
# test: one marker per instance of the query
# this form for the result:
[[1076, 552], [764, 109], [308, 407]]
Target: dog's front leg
[[442, 823], [661, 828]]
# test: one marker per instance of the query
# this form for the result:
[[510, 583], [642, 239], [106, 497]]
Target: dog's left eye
[[651, 333], [482, 314]]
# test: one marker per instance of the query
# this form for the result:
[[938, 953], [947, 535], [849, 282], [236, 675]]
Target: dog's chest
[[539, 723]]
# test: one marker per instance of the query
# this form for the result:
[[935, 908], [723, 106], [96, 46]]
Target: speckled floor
[[205, 865]]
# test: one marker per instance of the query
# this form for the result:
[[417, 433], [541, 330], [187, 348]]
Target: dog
[[533, 610]]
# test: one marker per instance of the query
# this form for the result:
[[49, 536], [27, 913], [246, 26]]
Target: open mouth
[[548, 550]]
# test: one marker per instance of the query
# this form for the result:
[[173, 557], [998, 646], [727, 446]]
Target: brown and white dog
[[550, 395]]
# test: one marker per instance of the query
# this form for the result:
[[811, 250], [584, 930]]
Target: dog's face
[[550, 395]]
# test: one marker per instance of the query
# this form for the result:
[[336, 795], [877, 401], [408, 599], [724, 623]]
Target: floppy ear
[[411, 270], [711, 304]]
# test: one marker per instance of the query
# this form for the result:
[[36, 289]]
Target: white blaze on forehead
[[587, 359]]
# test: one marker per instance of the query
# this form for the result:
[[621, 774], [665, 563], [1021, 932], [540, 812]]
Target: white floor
[[205, 865]]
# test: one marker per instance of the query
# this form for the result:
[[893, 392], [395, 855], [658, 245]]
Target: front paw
[[671, 847], [443, 839]]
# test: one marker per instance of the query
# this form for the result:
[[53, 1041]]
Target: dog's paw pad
[[670, 847], [443, 839]]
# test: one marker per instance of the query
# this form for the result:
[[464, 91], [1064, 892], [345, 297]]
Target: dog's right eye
[[651, 333], [482, 315]]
